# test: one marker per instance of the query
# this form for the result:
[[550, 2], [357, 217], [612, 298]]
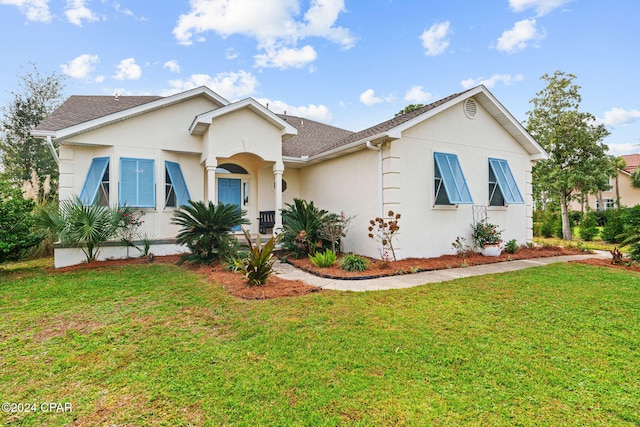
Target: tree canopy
[[577, 162], [36, 98], [409, 108]]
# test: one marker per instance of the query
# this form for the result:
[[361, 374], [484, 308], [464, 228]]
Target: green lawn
[[157, 345]]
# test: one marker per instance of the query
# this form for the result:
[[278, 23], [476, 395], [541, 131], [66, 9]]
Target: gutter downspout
[[380, 188], [53, 150]]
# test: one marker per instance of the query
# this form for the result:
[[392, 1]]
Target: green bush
[[611, 232], [16, 221], [588, 227], [322, 260], [547, 223], [353, 262], [302, 227], [259, 261], [511, 246], [207, 230]]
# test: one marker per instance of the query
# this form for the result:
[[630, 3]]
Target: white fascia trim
[[204, 120], [135, 111]]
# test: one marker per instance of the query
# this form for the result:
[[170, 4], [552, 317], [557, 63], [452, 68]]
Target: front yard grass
[[158, 345]]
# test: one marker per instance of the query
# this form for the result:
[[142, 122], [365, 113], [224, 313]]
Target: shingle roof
[[312, 136], [633, 162], [384, 126], [79, 109]]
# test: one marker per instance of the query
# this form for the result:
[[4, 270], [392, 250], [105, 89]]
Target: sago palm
[[206, 229]]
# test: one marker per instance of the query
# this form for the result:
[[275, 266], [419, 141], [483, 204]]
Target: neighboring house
[[437, 166], [629, 196]]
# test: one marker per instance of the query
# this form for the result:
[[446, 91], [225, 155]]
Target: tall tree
[[577, 157], [619, 164], [409, 108], [36, 98]]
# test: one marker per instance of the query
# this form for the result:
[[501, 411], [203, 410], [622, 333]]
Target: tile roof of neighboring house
[[79, 109], [313, 137], [632, 160]]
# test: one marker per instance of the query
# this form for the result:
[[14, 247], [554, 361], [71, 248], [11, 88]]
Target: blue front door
[[230, 192]]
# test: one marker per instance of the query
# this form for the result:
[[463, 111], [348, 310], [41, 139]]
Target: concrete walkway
[[290, 272]]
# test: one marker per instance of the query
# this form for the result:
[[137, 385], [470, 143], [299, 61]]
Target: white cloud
[[230, 53], [275, 25], [232, 85], [506, 79], [318, 113], [620, 149], [435, 40], [172, 66], [36, 10], [416, 94], [286, 57], [128, 70], [542, 7], [519, 36], [369, 98], [81, 66], [77, 11], [617, 117]]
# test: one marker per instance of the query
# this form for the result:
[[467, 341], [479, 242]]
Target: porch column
[[211, 164], [278, 170]]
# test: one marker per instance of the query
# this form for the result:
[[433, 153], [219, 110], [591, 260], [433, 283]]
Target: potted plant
[[487, 237]]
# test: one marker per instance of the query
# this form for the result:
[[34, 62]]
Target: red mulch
[[277, 287], [413, 265], [600, 262]]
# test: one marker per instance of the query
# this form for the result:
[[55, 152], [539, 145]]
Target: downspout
[[53, 150], [370, 146]]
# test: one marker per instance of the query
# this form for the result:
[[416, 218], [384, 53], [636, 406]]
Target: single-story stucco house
[[436, 165]]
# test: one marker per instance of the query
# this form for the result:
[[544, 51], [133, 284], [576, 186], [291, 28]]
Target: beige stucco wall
[[629, 196]]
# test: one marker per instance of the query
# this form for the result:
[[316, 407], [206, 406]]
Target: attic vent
[[470, 108]]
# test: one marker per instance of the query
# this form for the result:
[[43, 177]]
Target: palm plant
[[84, 227], [207, 229], [302, 229]]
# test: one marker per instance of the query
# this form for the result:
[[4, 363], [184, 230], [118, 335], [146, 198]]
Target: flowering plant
[[484, 233], [127, 222], [383, 231]]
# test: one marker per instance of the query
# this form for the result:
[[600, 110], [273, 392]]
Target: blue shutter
[[137, 183], [93, 180], [178, 182], [506, 182], [455, 184]]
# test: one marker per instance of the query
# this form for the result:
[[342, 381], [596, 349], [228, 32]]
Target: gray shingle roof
[[80, 109], [312, 136]]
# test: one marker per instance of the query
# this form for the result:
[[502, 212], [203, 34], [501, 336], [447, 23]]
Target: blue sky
[[348, 63]]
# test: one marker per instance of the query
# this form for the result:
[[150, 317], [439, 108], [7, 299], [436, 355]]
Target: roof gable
[[632, 162]]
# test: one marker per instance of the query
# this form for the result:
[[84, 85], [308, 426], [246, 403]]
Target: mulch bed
[[276, 287], [414, 265]]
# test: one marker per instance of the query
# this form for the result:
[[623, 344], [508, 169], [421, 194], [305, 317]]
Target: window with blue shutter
[[503, 189], [137, 183], [450, 185], [96, 185], [176, 191]]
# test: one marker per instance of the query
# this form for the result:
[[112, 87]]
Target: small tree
[[334, 228], [577, 158], [22, 154], [16, 222]]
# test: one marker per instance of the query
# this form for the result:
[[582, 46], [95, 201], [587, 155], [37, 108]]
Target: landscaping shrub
[[611, 232], [322, 260], [588, 227], [383, 231], [600, 217], [16, 221], [207, 230], [511, 246], [353, 262], [302, 225], [84, 227], [547, 221], [258, 264]]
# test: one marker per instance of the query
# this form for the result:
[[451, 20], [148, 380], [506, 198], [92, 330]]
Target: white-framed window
[[95, 189], [176, 192], [137, 186], [450, 186], [608, 204], [503, 189]]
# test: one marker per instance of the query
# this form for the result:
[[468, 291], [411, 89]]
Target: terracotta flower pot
[[491, 250]]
